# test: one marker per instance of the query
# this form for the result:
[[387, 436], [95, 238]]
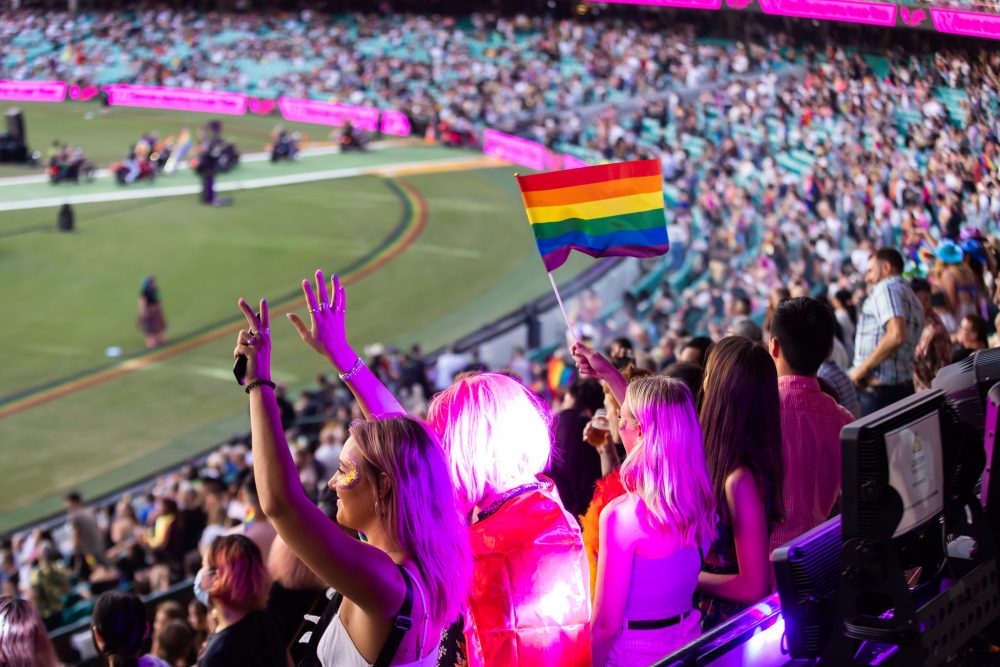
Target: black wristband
[[258, 383]]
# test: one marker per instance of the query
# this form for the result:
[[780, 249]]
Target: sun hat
[[949, 252]]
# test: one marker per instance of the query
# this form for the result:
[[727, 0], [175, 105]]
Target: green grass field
[[69, 297]]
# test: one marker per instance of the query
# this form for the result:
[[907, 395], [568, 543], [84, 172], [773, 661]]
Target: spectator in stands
[[234, 584], [653, 537], [23, 640], [49, 583], [973, 335], [449, 364], [124, 530], [836, 378], [607, 441], [166, 611], [802, 332], [174, 644], [120, 629], [847, 317], [956, 280], [889, 328], [576, 467], [621, 352], [198, 620], [86, 540], [256, 524], [744, 326], [696, 351], [495, 432], [331, 442], [392, 485], [520, 366], [741, 421], [933, 351], [689, 374]]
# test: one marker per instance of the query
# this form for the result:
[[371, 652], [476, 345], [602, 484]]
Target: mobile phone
[[240, 367]]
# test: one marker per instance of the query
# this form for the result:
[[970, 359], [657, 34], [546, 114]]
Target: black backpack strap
[[400, 624], [310, 658]]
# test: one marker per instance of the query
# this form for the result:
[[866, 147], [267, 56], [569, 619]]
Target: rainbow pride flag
[[603, 211]]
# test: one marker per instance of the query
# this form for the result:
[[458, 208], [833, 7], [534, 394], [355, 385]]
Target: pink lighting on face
[[33, 91], [329, 113], [177, 99], [849, 11], [966, 23]]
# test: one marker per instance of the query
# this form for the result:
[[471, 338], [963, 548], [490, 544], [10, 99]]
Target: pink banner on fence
[[261, 107], [850, 11], [177, 99], [687, 4], [83, 93], [395, 123], [33, 91], [328, 113], [972, 24], [530, 154], [573, 162]]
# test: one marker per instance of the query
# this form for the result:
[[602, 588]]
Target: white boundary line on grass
[[233, 185]]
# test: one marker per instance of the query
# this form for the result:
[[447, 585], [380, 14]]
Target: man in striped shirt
[[802, 332], [889, 328]]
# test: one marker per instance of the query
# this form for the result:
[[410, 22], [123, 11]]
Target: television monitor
[[894, 483], [807, 571]]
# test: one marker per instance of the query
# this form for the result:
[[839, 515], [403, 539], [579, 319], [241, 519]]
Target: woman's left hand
[[255, 343]]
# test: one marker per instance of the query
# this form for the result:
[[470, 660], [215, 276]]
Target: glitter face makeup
[[349, 478]]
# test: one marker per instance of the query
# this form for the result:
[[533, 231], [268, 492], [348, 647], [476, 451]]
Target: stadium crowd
[[818, 290], [474, 70]]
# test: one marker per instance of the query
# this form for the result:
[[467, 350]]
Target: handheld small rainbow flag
[[603, 211]]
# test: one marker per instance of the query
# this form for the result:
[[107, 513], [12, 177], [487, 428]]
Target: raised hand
[[255, 342], [591, 363], [327, 332]]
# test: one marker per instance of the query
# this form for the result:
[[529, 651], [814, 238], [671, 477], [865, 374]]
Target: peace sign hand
[[327, 333], [255, 343]]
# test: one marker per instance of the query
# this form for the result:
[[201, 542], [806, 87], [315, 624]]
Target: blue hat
[[949, 252], [974, 248]]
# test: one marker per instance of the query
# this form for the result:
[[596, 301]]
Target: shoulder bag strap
[[400, 624]]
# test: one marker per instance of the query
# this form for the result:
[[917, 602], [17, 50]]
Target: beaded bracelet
[[259, 383], [355, 369]]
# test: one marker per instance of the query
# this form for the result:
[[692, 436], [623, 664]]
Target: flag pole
[[562, 308]]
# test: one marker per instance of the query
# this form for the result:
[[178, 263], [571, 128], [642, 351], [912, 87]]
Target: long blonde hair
[[495, 431], [666, 468], [421, 515]]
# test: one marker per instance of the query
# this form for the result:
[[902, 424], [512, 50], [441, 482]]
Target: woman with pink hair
[[651, 538], [529, 602], [23, 640]]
